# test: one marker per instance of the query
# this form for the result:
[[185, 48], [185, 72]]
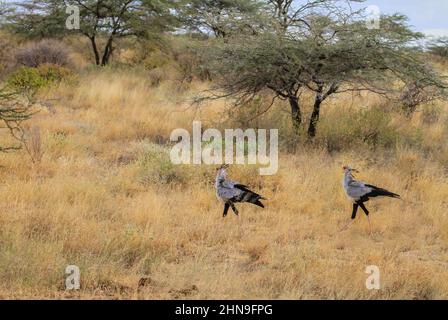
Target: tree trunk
[[315, 116], [95, 50], [107, 52], [296, 115], [106, 56]]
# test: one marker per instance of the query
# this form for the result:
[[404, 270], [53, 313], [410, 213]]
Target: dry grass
[[105, 198]]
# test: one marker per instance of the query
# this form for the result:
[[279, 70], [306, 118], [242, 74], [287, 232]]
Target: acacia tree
[[343, 55], [327, 51], [244, 66], [3, 10], [99, 19], [295, 15], [219, 17], [439, 47], [274, 58], [420, 91]]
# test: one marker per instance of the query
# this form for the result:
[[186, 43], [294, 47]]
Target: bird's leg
[[234, 209], [355, 209], [226, 208], [363, 207], [370, 225], [349, 222]]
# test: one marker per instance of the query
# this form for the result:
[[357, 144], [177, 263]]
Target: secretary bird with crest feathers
[[359, 192], [231, 192]]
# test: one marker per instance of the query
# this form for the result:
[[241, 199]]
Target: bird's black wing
[[379, 192], [248, 195], [241, 187], [245, 188]]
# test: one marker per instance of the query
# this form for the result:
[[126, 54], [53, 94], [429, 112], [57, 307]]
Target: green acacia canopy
[[326, 55]]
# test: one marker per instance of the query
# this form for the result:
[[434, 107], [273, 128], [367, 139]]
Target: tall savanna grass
[[105, 197]]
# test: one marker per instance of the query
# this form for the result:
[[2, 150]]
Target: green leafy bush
[[53, 73], [30, 80], [26, 79]]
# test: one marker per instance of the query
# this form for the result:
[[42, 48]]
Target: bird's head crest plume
[[349, 169], [224, 166], [221, 171]]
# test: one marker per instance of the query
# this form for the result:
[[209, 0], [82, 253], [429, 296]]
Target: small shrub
[[35, 144], [7, 46], [191, 67], [156, 167], [32, 79], [53, 73], [431, 114], [156, 59], [43, 52], [371, 127], [187, 60], [156, 76], [411, 136], [439, 47], [26, 79], [418, 93]]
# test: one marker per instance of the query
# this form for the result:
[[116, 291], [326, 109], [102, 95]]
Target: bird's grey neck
[[220, 178], [348, 178]]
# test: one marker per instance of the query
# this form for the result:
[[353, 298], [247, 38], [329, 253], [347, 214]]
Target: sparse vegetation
[[105, 197], [101, 193]]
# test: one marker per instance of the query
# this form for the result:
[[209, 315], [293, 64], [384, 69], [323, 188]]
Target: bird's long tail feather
[[258, 203], [379, 192], [254, 198]]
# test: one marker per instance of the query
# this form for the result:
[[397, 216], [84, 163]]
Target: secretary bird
[[359, 192], [231, 192]]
